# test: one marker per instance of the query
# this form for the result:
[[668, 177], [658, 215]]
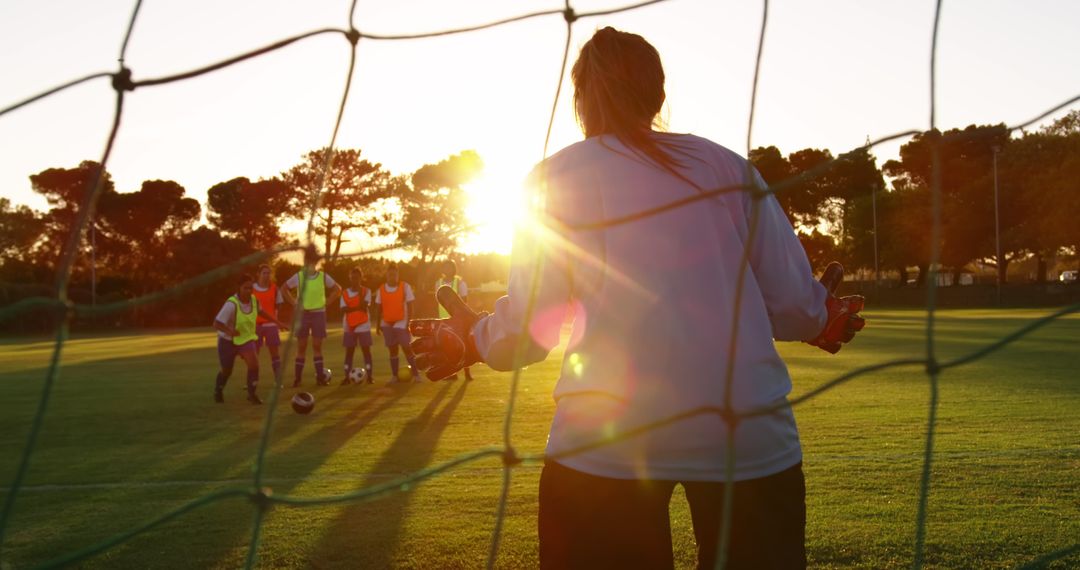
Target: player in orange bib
[[395, 299], [266, 291], [355, 301]]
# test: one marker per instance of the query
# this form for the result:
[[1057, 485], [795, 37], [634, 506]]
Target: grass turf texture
[[132, 432]]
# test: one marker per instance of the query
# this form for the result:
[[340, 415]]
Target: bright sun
[[496, 206]]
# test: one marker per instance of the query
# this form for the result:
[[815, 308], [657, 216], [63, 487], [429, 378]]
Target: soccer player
[[395, 299], [655, 303], [236, 326], [355, 301], [311, 296], [450, 278], [266, 291]]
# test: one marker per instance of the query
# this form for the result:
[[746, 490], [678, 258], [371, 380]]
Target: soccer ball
[[357, 375], [325, 380], [303, 403]]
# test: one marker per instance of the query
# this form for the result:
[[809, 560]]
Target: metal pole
[[93, 263], [997, 230], [873, 204]]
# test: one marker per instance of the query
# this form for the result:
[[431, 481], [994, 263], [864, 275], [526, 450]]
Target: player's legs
[[249, 354], [365, 347], [596, 522], [318, 333], [391, 345], [768, 521], [226, 355], [348, 341], [272, 338], [301, 349]]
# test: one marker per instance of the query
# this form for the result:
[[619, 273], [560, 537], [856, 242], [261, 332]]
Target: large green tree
[[967, 193]]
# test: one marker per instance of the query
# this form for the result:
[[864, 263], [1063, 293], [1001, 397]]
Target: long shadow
[[366, 535], [230, 526]]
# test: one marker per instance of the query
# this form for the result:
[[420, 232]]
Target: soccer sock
[[367, 362], [348, 359], [412, 362], [275, 364], [222, 378], [394, 366], [299, 368], [319, 367], [252, 379]]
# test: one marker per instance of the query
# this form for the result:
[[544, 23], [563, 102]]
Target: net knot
[[569, 15], [261, 498], [728, 416], [353, 35], [510, 457], [121, 80], [933, 367]]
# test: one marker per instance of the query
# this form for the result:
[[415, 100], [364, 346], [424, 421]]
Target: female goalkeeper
[[653, 303]]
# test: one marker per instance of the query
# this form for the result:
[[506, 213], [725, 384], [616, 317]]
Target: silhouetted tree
[[352, 197], [434, 207], [252, 211]]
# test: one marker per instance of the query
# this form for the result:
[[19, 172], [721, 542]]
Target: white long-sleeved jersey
[[653, 303]]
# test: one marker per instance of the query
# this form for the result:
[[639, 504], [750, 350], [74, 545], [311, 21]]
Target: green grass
[[131, 432]]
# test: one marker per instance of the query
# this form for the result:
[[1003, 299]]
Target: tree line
[[153, 238]]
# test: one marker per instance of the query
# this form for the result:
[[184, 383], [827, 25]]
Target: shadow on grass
[[367, 534]]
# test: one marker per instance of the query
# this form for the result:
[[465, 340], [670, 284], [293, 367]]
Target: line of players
[[249, 319]]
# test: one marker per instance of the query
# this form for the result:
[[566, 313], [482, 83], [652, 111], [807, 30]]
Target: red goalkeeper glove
[[843, 320], [444, 346]]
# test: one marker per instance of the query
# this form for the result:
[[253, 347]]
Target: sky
[[834, 72]]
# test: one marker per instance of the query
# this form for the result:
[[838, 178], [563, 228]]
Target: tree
[[434, 206], [967, 194], [252, 211], [349, 199], [20, 229], [65, 190], [801, 202], [141, 229]]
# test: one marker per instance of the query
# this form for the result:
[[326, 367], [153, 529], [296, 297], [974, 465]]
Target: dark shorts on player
[[268, 335], [578, 512], [312, 323], [393, 336], [357, 339], [227, 351]]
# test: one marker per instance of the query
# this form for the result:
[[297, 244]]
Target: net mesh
[[261, 498]]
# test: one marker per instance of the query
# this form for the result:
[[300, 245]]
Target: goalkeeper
[[653, 304]]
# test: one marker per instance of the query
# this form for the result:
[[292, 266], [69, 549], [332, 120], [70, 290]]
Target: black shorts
[[588, 521]]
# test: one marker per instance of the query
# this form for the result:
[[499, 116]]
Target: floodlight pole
[[997, 229]]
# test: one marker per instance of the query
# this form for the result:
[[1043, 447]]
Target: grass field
[[132, 432]]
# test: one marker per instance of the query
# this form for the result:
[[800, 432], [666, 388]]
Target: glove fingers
[[832, 276], [856, 323], [422, 327], [847, 336], [854, 303], [450, 301]]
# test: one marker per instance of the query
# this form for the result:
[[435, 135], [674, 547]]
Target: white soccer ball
[[357, 374]]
